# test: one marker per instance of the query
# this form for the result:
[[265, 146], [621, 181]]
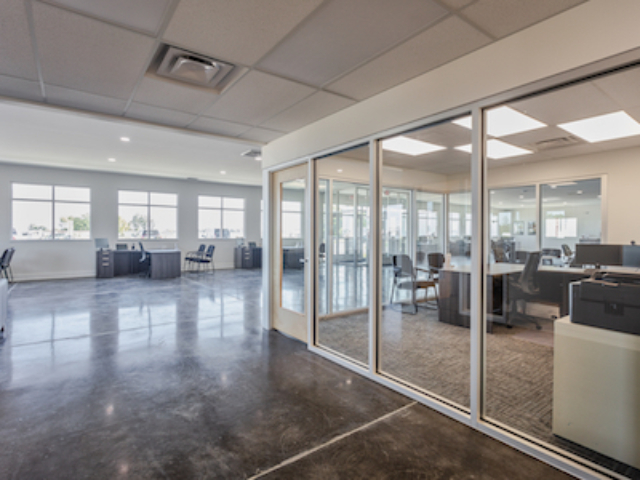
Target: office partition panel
[[562, 347], [424, 327], [343, 233]]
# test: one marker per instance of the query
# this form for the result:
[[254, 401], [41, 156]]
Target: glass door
[[289, 253]]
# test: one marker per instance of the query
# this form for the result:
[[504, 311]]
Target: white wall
[[46, 259], [582, 35]]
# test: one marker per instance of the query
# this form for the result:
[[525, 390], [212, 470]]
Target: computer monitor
[[592, 254], [122, 246], [102, 243], [631, 255]]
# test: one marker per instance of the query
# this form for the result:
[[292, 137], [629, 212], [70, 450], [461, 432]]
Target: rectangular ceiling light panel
[[409, 146], [497, 149], [503, 121], [604, 127]]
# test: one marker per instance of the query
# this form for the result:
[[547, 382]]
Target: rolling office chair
[[145, 261], [404, 278], [524, 288], [436, 261]]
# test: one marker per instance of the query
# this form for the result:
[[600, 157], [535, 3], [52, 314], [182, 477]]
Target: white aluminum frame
[[549, 454]]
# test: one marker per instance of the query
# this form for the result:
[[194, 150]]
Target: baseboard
[[34, 277]]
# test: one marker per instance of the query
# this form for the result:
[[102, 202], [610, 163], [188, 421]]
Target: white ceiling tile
[[220, 127], [623, 87], [163, 116], [145, 15], [504, 17], [257, 97], [567, 104], [344, 33], [85, 54], [313, 108], [442, 43], [16, 50], [20, 88], [173, 95], [240, 31], [261, 135], [66, 97]]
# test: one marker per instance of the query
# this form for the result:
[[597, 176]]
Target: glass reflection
[[343, 228], [425, 254], [292, 241]]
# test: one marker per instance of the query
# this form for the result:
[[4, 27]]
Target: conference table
[[455, 290]]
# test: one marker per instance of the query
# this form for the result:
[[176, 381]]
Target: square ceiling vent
[[195, 69]]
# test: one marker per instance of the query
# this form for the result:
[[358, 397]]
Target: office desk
[[164, 263], [455, 288], [115, 263]]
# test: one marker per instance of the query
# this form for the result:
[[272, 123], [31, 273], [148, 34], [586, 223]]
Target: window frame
[[53, 202], [222, 210], [148, 205]]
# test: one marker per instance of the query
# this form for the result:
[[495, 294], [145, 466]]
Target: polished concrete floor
[[134, 378]]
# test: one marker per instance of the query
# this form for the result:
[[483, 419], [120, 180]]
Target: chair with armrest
[[5, 264], [524, 288], [207, 258], [405, 278], [145, 262], [567, 254], [192, 257]]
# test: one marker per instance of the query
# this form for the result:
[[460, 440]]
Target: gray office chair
[[405, 278], [524, 288]]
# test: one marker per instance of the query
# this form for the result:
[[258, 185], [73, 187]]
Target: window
[[46, 212], [147, 215], [454, 224], [220, 217]]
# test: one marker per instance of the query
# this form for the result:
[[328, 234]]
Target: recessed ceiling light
[[339, 170], [222, 172], [504, 121], [497, 149], [603, 127], [409, 146], [258, 158], [579, 192], [112, 160], [125, 139]]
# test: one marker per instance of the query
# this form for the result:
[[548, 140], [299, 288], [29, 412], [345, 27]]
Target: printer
[[608, 300]]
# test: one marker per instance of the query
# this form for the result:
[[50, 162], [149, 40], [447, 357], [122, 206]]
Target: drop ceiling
[[301, 60]]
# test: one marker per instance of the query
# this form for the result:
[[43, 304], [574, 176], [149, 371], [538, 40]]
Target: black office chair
[[524, 288], [194, 256], [500, 251], [5, 264], [207, 259], [145, 262], [405, 278]]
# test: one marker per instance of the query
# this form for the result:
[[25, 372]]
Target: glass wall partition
[[424, 334], [562, 343], [343, 233]]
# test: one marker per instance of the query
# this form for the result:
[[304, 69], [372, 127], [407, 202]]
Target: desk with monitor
[[114, 263]]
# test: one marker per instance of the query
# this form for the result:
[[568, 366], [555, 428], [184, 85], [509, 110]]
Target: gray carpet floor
[[435, 356]]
